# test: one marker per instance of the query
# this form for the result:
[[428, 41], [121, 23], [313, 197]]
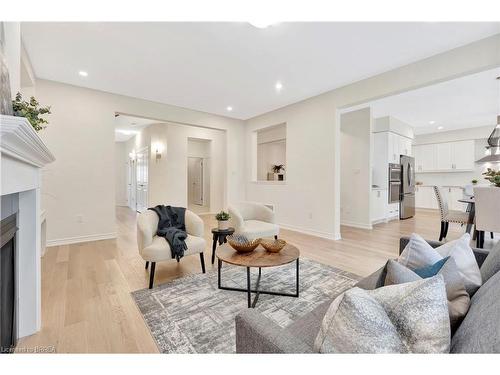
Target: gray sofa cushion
[[480, 329], [491, 264], [307, 327]]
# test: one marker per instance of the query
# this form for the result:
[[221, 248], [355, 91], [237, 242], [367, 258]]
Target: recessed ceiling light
[[278, 86], [440, 127], [261, 24], [83, 73], [432, 122], [229, 108], [126, 132]]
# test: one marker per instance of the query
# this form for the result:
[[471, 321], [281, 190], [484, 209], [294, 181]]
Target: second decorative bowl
[[242, 244], [273, 246]]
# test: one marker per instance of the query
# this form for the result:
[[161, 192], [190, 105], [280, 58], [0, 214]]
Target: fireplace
[[8, 327]]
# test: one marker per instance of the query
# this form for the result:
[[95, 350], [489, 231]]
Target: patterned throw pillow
[[405, 318], [431, 270], [418, 253], [458, 299]]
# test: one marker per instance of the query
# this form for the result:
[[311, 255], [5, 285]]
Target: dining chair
[[448, 216], [487, 199]]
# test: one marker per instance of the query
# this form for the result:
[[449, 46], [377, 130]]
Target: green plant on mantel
[[492, 176], [31, 111]]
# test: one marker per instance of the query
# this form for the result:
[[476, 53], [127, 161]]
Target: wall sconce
[[131, 155], [158, 147]]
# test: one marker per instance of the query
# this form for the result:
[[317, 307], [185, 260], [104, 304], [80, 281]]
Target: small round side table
[[219, 235]]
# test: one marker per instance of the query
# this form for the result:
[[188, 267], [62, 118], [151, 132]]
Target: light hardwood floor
[[86, 301]]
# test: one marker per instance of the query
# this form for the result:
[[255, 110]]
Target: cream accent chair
[[156, 249], [253, 220], [487, 200]]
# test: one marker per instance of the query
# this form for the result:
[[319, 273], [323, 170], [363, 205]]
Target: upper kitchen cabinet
[[463, 155], [444, 157]]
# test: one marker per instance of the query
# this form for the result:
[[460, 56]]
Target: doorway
[[195, 180], [198, 175], [131, 184], [142, 179]]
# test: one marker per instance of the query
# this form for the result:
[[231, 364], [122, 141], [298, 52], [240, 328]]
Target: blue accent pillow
[[432, 270]]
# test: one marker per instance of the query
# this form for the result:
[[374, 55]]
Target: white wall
[[120, 174], [168, 177], [310, 199], [81, 136], [355, 168], [478, 134]]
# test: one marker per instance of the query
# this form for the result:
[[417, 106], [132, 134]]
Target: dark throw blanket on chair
[[171, 226]]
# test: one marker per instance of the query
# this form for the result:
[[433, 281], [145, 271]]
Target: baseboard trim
[[73, 240], [311, 232], [356, 225]]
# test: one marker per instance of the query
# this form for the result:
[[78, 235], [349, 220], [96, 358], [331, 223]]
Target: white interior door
[[142, 180], [195, 180], [131, 185]]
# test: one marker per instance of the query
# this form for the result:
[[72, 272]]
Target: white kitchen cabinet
[[425, 157], [397, 146], [444, 157], [379, 205], [393, 148], [463, 155], [393, 211], [425, 197], [452, 195], [405, 146]]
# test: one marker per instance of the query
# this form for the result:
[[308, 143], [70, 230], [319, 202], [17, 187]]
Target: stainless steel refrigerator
[[407, 195]]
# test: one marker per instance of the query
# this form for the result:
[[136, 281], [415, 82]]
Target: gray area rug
[[191, 315]]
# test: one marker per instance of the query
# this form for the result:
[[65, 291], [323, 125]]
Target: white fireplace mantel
[[23, 154], [20, 141]]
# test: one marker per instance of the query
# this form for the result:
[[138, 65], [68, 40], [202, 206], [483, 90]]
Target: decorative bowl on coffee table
[[273, 246], [242, 244]]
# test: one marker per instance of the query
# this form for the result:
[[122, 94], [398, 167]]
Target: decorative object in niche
[[276, 175]]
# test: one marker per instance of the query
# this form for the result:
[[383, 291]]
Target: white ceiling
[[209, 66], [128, 126], [465, 102]]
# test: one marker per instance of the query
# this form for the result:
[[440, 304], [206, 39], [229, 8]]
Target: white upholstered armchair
[[156, 249], [253, 220]]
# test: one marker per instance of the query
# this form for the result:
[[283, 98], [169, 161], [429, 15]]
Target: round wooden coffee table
[[259, 258]]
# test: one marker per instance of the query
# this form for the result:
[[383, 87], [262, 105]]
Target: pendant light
[[493, 148]]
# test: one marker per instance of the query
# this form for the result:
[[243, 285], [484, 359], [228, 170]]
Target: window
[[271, 153]]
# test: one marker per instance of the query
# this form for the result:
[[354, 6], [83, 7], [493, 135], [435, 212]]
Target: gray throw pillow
[[404, 318], [491, 264], [418, 253], [457, 296]]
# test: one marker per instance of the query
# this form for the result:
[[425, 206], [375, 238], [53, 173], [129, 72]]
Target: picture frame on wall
[[5, 93]]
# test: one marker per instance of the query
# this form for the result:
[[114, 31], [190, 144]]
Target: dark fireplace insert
[[8, 328]]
